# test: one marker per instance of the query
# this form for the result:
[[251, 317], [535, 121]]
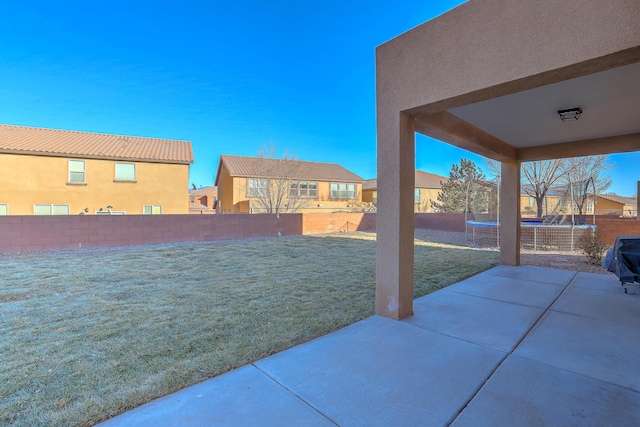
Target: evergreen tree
[[453, 195]]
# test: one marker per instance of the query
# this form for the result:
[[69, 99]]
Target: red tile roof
[[66, 143], [211, 190], [259, 167], [423, 180]]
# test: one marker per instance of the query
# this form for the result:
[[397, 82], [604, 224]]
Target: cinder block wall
[[612, 228], [39, 233], [441, 221], [318, 223]]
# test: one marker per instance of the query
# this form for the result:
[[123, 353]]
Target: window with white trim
[[125, 172], [77, 171], [257, 187], [416, 195], [304, 189], [343, 190], [4, 209], [51, 209], [152, 209]]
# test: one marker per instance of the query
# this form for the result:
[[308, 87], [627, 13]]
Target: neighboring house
[[552, 202], [555, 202], [427, 188], [612, 204], [265, 185], [61, 172], [203, 200]]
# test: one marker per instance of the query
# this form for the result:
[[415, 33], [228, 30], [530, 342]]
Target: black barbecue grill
[[623, 260]]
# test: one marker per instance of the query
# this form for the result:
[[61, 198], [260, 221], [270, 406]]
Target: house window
[[125, 172], [416, 195], [51, 210], [193, 199], [4, 209], [304, 189], [152, 209], [342, 190], [257, 187], [76, 171], [532, 201], [589, 207]]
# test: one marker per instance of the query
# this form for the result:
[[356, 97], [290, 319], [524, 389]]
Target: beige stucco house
[[427, 187], [510, 80], [61, 172], [552, 202], [266, 185], [612, 204], [203, 200]]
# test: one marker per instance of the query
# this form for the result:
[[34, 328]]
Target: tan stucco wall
[[551, 203], [427, 195], [609, 207], [225, 191], [370, 196], [324, 204], [28, 180]]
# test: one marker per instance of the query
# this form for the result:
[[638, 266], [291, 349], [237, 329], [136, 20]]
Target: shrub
[[592, 246]]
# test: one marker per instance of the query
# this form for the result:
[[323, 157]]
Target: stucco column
[[510, 214], [395, 221]]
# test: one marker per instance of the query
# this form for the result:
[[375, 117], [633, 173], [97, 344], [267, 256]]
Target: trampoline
[[560, 229]]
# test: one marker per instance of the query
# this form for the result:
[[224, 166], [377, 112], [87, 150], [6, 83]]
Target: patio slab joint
[[510, 353]]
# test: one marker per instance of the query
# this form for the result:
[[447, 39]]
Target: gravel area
[[574, 261]]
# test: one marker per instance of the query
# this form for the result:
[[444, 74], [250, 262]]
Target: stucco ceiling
[[610, 100]]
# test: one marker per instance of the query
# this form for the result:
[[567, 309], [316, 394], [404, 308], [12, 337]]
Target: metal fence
[[537, 237]]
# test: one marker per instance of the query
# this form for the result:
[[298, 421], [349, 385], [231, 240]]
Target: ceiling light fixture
[[570, 113]]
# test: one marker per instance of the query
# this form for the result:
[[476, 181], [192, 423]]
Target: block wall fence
[[612, 228], [40, 233]]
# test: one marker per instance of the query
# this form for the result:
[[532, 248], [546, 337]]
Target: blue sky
[[231, 77]]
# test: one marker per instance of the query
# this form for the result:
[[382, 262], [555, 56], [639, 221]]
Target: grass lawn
[[87, 335]]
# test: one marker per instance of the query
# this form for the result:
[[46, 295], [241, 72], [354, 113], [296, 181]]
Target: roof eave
[[94, 156]]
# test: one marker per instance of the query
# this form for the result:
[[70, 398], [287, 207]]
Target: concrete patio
[[523, 346]]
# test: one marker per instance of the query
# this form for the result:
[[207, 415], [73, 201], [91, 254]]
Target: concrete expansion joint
[[509, 353], [435, 331], [295, 395], [493, 299], [546, 312]]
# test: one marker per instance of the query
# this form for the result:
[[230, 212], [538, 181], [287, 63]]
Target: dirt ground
[[561, 260]]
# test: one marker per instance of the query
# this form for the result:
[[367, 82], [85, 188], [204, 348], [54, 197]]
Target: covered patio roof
[[489, 77]]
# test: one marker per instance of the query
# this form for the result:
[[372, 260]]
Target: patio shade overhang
[[490, 76]]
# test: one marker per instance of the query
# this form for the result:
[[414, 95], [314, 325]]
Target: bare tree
[[539, 177], [586, 175], [278, 190], [495, 167]]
